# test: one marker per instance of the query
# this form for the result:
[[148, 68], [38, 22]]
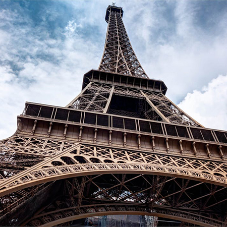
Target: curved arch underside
[[121, 209], [174, 198], [179, 188], [65, 172]]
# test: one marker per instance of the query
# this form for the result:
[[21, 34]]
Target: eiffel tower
[[120, 147]]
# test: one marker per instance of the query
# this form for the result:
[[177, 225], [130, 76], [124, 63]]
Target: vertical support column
[[107, 34], [80, 134], [34, 127], [167, 145], [181, 146], [65, 130], [194, 148], [208, 150], [139, 141], [153, 142], [110, 137], [125, 139], [49, 130], [118, 43], [95, 135], [220, 151], [109, 100]]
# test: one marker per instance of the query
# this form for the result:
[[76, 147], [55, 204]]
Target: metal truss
[[118, 55], [130, 194], [184, 189], [94, 97], [17, 154], [14, 200], [79, 159], [120, 147], [168, 110], [155, 106], [30, 148]]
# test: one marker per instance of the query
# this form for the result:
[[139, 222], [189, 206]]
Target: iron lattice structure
[[120, 147], [118, 55]]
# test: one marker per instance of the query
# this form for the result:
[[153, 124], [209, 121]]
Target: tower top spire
[[113, 8], [118, 55]]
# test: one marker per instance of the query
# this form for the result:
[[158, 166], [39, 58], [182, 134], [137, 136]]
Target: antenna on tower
[[113, 3]]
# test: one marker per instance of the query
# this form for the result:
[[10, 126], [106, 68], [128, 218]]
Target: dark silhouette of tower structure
[[120, 147]]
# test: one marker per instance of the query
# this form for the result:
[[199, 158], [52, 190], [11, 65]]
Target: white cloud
[[6, 74], [208, 106], [71, 28], [176, 47], [55, 79]]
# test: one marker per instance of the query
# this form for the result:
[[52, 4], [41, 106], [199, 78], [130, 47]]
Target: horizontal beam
[[124, 80], [108, 121], [36, 176]]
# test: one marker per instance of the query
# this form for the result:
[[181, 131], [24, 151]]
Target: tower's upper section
[[113, 9], [118, 55]]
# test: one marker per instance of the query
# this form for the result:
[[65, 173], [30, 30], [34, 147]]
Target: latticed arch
[[122, 196], [120, 146]]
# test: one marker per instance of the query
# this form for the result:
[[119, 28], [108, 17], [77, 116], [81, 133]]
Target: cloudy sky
[[47, 46]]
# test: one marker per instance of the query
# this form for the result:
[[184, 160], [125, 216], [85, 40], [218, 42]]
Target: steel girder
[[118, 55], [107, 180], [72, 166], [97, 97]]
